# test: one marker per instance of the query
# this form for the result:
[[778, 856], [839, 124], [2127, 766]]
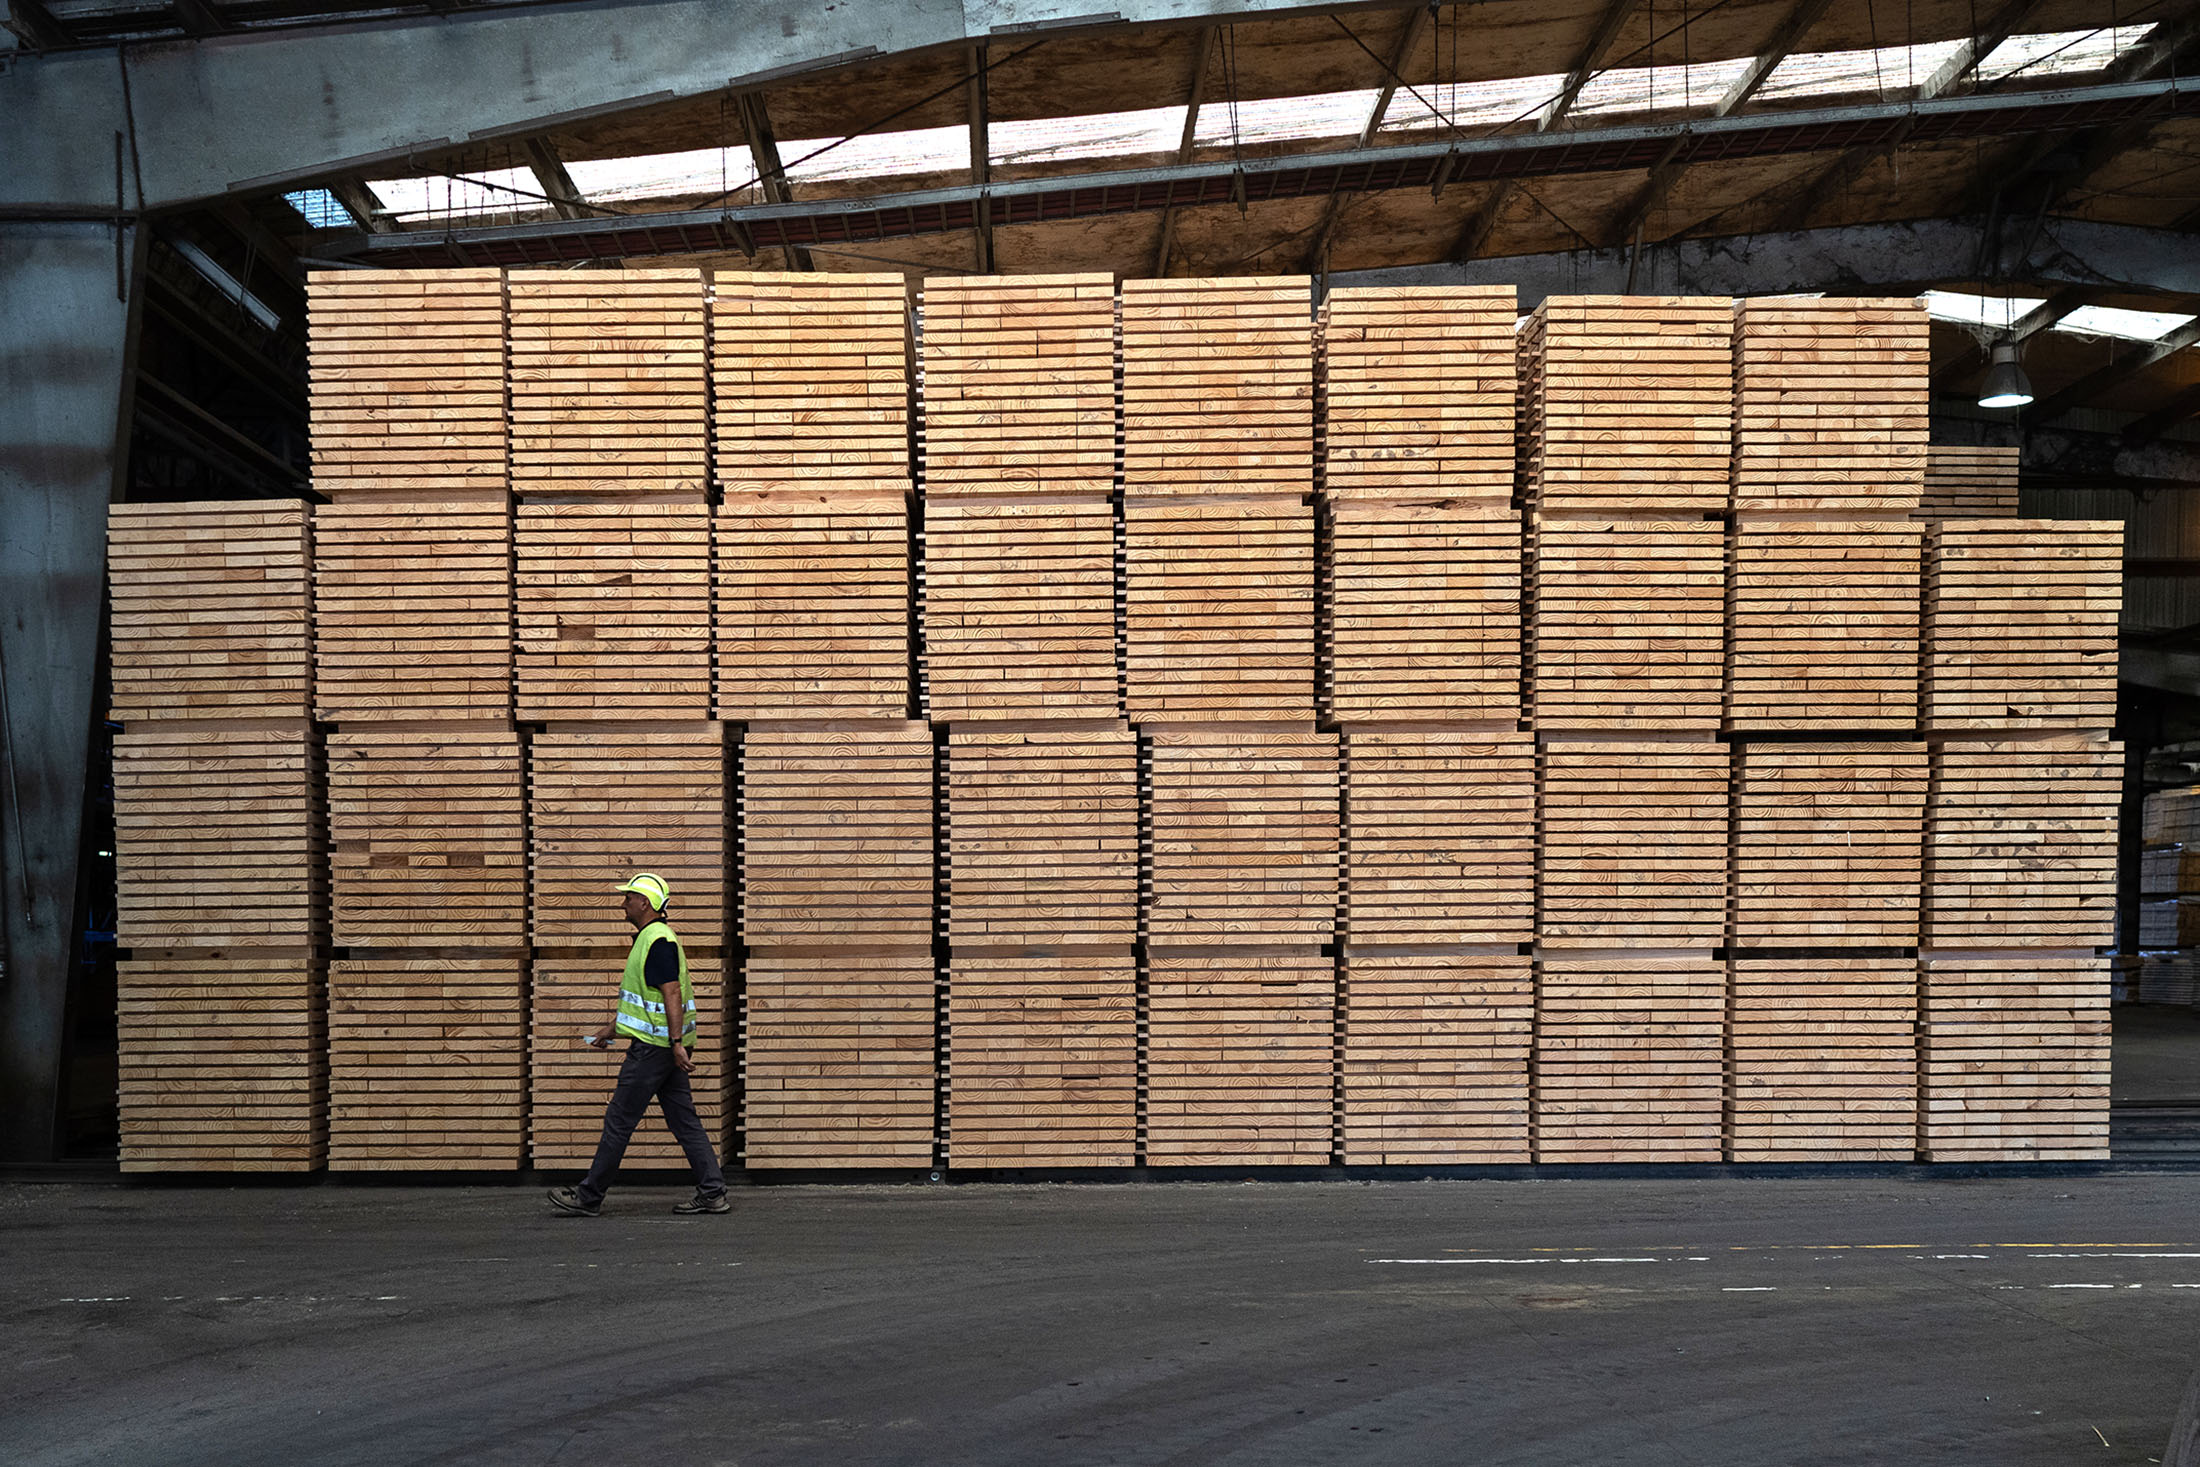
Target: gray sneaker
[[566, 1202], [704, 1202]]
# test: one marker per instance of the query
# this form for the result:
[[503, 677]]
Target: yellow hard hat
[[651, 887]]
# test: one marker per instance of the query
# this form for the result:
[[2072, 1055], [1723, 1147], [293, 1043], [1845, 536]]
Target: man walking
[[657, 1013]]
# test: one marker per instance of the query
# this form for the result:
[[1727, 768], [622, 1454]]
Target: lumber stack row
[[1042, 837], [1822, 1059], [427, 832], [223, 1059], [1828, 844], [1830, 404], [1630, 1057], [1019, 608], [1435, 1058], [2020, 843], [836, 835], [2168, 977], [1218, 387], [810, 379], [838, 1059], [1219, 621], [609, 382], [1418, 393], [2014, 1057], [427, 1062], [2020, 624], [1626, 625], [406, 384], [612, 609], [1240, 1059], [1245, 837], [568, 1081], [210, 610], [1423, 609], [412, 611], [1439, 836], [1823, 625], [812, 606], [604, 804], [1969, 482], [1041, 1060], [1019, 385], [1633, 848], [2169, 906]]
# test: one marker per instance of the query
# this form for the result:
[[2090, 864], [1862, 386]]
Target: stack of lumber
[[568, 1083], [1828, 844], [1042, 1060], [1435, 1056], [223, 1060], [810, 378], [1439, 836], [1220, 620], [1964, 482], [813, 606], [221, 835], [2173, 922], [836, 836], [2020, 624], [1630, 1057], [608, 382], [428, 834], [1240, 1059], [1245, 829], [1634, 844], [837, 1068], [2014, 1058], [1417, 392], [2171, 818], [2171, 977], [1627, 404], [427, 1063], [1830, 404], [2169, 908], [1019, 385], [412, 611], [2020, 844], [1042, 829], [605, 804], [1424, 609], [613, 607], [406, 383], [1627, 623], [1218, 386], [1019, 608], [1823, 1059], [211, 612], [1823, 625]]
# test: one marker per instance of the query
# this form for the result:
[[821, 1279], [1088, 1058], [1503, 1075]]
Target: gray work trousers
[[649, 1074]]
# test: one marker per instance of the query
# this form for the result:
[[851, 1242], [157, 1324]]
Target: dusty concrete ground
[[1685, 1321]]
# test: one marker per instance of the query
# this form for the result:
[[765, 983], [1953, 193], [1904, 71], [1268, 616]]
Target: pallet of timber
[[1019, 608], [1969, 482], [1830, 404], [838, 1059], [1245, 830], [1630, 1057], [2168, 871], [2172, 922], [569, 1083], [221, 836], [1626, 624], [1423, 609], [1627, 404], [412, 611], [810, 379], [836, 835], [210, 610], [2020, 843], [222, 1059], [1240, 1059], [2020, 623], [1828, 844], [1822, 1059], [1220, 609], [2171, 977], [1042, 1060], [1417, 391], [2171, 818], [1633, 849], [612, 603], [2014, 1057], [1435, 1052], [609, 382], [406, 383], [1042, 830], [813, 606], [605, 804], [1439, 836], [427, 1063], [427, 832], [1218, 386], [1019, 385], [1823, 622]]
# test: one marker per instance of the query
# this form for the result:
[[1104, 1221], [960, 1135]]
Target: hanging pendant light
[[2006, 385]]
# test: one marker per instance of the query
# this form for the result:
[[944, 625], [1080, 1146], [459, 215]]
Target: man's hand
[[681, 1058], [602, 1038]]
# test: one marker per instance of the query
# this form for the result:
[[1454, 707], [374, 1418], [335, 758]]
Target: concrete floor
[[1692, 1322]]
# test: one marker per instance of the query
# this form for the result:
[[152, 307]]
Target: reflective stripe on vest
[[642, 1016]]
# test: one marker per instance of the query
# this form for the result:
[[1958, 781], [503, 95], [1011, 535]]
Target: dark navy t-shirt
[[662, 965]]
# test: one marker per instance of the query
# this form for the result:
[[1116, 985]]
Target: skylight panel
[[880, 155], [1100, 135], [1659, 88], [1472, 104], [1287, 119], [320, 208], [1842, 73], [661, 175], [1997, 312], [490, 191], [2060, 53], [2129, 325]]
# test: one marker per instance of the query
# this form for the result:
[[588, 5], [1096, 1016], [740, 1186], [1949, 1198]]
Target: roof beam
[[1476, 232], [1201, 53], [756, 125], [550, 174], [34, 25], [2041, 317], [981, 152], [198, 18], [2178, 410], [362, 203], [2093, 384], [1409, 41]]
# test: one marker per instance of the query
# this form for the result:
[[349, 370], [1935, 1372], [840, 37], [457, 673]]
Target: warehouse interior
[[2028, 168]]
